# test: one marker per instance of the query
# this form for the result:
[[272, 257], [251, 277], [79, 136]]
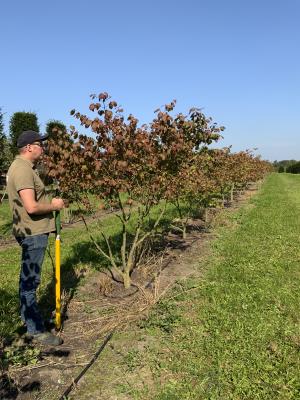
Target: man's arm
[[33, 207]]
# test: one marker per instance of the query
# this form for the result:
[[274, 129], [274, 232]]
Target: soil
[[101, 305]]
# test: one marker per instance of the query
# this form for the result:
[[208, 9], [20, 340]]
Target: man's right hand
[[58, 204]]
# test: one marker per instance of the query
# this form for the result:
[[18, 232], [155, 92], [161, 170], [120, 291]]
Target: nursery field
[[233, 334], [230, 330]]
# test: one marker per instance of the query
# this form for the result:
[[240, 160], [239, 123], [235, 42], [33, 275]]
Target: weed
[[20, 355], [132, 360], [164, 316]]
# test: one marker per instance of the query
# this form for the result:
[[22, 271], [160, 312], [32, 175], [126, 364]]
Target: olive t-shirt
[[22, 175]]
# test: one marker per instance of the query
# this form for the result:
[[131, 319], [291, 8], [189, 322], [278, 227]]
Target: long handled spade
[[57, 273]]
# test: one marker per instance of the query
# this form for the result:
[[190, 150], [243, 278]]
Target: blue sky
[[238, 60]]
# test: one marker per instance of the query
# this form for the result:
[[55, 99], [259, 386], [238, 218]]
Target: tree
[[5, 155], [54, 126], [283, 163], [127, 166], [19, 122], [294, 168]]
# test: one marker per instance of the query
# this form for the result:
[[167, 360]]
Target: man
[[32, 222]]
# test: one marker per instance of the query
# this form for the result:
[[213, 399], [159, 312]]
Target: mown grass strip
[[237, 336]]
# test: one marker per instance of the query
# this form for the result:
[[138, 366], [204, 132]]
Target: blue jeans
[[33, 251]]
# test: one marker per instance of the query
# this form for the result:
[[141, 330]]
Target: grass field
[[233, 334]]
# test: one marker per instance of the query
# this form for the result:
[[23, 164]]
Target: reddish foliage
[[167, 160]]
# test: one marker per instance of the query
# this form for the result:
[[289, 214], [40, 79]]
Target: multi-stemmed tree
[[128, 165]]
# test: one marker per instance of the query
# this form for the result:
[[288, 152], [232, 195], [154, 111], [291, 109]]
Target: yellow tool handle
[[57, 283]]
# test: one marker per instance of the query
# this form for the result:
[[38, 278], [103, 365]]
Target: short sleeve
[[24, 179]]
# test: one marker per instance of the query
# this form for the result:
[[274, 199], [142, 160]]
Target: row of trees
[[284, 165], [293, 168], [143, 170], [19, 122]]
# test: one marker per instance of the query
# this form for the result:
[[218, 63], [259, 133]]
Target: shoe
[[48, 339]]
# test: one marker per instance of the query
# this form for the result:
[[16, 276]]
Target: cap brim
[[44, 137]]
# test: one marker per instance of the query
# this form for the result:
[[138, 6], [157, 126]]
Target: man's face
[[36, 149]]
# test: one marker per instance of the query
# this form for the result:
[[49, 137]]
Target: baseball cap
[[28, 137]]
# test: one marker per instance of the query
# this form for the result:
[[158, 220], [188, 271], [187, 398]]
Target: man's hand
[[58, 204]]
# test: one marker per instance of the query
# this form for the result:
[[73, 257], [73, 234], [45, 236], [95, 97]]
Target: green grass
[[235, 333], [239, 336]]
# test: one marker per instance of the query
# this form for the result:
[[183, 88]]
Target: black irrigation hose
[[96, 355]]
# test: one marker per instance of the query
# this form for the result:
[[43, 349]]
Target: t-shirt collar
[[25, 159]]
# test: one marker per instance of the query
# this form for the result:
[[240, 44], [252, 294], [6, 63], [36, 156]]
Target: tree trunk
[[206, 216], [231, 192], [126, 279], [184, 231]]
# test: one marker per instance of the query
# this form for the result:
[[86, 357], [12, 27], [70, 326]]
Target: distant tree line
[[289, 166], [20, 121], [294, 168]]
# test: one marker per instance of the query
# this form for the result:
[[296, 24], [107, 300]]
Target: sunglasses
[[38, 144]]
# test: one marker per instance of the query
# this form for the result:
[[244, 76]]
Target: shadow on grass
[[86, 252], [8, 388], [167, 224]]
